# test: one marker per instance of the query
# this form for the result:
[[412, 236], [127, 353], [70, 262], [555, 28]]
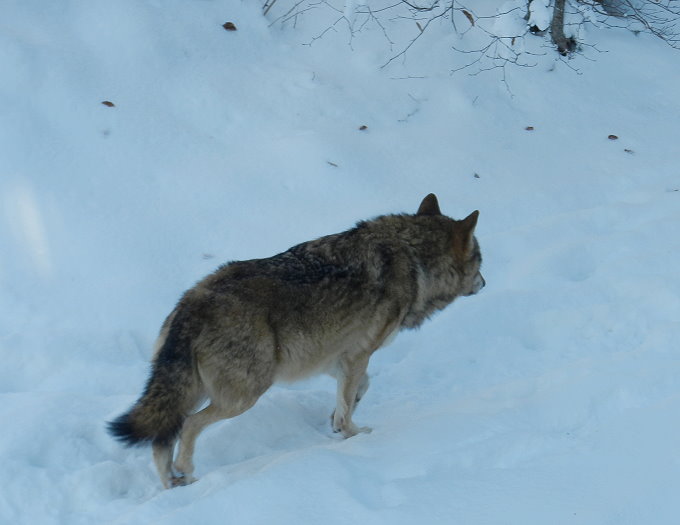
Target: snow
[[539, 14], [551, 397]]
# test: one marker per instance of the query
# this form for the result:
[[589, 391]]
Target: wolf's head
[[466, 252]]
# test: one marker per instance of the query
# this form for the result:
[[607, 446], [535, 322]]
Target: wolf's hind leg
[[193, 426], [162, 457]]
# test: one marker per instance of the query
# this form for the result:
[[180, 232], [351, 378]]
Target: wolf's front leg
[[352, 385], [363, 387]]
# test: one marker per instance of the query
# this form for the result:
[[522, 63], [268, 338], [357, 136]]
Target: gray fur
[[323, 306]]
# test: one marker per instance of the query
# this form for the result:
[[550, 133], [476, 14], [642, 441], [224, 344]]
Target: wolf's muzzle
[[477, 284]]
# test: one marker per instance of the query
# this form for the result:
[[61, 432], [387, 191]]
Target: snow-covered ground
[[551, 397]]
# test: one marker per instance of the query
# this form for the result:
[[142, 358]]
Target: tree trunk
[[564, 45]]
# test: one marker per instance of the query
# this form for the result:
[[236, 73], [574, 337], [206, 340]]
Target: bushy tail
[[170, 394]]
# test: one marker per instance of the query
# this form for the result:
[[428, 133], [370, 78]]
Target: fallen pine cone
[[612, 137], [109, 104], [229, 26]]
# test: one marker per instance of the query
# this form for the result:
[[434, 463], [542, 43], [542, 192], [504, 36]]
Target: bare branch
[[404, 23]]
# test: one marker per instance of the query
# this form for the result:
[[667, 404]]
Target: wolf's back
[[169, 395]]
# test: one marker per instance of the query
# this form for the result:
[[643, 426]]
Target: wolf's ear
[[429, 206], [465, 230], [470, 222]]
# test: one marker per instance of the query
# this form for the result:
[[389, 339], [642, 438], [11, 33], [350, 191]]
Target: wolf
[[323, 306]]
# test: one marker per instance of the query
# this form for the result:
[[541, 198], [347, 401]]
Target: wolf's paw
[[182, 480], [350, 430], [354, 430]]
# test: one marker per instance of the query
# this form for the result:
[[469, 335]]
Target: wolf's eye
[[475, 258]]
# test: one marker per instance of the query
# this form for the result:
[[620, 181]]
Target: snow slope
[[552, 397]]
